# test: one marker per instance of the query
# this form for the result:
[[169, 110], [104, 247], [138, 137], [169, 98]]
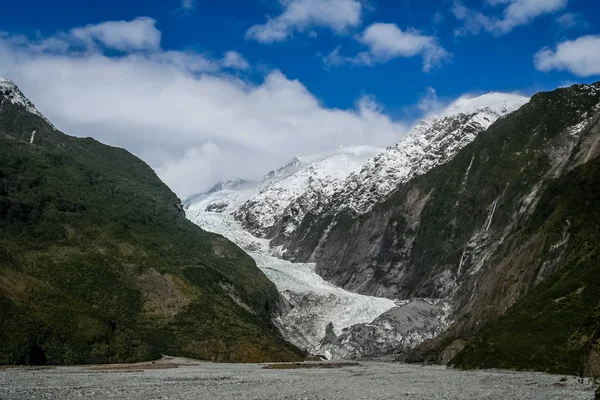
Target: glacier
[[314, 303], [319, 317]]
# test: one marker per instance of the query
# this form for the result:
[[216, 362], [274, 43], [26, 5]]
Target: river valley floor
[[175, 378]]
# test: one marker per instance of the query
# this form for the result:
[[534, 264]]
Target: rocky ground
[[185, 379]]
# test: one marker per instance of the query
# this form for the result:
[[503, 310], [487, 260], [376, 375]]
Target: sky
[[204, 90]]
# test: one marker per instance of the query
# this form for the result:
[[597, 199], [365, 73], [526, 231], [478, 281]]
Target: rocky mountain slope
[[98, 263], [505, 230]]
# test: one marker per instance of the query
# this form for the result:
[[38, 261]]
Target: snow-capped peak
[[10, 92], [310, 177], [429, 143], [230, 184]]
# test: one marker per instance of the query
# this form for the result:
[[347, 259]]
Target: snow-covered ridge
[[317, 176], [10, 92], [429, 143], [269, 197], [337, 183], [493, 103]]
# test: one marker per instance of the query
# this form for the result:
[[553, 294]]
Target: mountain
[[435, 141], [430, 143], [257, 217], [505, 231], [482, 219], [99, 264]]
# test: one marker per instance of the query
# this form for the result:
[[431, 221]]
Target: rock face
[[98, 263]]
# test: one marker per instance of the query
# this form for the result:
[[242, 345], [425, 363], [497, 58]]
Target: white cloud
[[429, 102], [304, 16], [521, 12], [188, 5], [572, 20], [515, 13], [581, 56], [233, 59], [388, 41], [473, 22], [139, 34], [184, 114]]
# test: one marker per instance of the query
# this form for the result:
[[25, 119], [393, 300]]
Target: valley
[[300, 199]]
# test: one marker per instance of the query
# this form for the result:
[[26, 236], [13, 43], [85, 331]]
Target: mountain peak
[[6, 82], [228, 184], [9, 91]]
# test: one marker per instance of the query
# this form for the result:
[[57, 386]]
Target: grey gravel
[[369, 380]]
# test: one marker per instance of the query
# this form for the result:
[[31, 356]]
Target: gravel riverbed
[[186, 379]]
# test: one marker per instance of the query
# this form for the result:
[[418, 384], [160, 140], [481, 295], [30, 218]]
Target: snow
[[317, 303], [355, 179], [9, 91], [317, 176], [430, 143]]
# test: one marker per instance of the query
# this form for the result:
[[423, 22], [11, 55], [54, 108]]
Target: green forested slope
[[555, 327], [98, 263]]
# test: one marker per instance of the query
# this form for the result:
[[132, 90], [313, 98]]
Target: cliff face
[[497, 229]]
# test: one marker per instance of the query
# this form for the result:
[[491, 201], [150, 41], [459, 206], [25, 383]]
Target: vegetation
[[98, 263], [556, 325], [507, 160]]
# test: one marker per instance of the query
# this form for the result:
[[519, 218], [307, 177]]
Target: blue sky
[[381, 62]]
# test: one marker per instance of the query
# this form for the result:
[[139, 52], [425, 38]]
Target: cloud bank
[[182, 112], [580, 57], [386, 42]]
